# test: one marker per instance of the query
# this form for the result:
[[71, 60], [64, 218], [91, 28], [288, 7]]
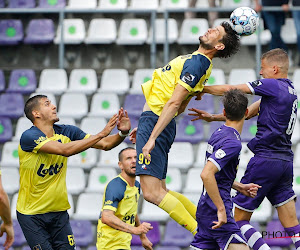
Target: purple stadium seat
[[137, 248], [249, 129], [40, 31], [188, 131], [21, 4], [2, 81], [92, 248], [82, 230], [176, 235], [2, 3], [153, 235], [168, 248], [5, 130], [11, 32], [52, 3], [19, 236], [11, 105], [134, 104], [206, 103], [275, 233], [22, 81], [213, 126]]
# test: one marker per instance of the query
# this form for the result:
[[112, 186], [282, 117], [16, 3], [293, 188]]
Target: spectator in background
[[296, 16]]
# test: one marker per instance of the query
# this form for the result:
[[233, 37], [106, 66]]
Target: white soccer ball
[[244, 21]]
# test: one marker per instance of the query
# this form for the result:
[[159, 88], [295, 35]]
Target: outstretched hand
[[132, 135], [110, 125], [200, 115], [123, 124]]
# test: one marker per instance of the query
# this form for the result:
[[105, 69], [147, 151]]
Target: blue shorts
[[220, 238], [47, 231], [159, 155], [276, 178]]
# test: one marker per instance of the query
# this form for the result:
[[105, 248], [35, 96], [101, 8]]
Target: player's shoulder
[[32, 133], [117, 184], [64, 129]]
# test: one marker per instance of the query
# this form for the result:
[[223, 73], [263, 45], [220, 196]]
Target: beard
[[129, 173], [205, 45]]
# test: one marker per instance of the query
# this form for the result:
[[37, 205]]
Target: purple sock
[[294, 231], [253, 237]]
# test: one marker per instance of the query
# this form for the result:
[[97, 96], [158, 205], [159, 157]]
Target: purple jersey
[[224, 147], [276, 120]]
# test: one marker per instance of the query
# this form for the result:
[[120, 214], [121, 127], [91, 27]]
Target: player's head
[[223, 39], [235, 104], [274, 64], [127, 161], [40, 107]]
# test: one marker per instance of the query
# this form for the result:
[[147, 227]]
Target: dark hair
[[235, 104], [231, 40], [121, 152], [31, 104]]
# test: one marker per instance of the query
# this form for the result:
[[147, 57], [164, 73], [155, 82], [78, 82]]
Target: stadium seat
[[160, 31], [249, 129], [92, 248], [297, 156], [98, 179], [93, 125], [113, 4], [50, 96], [110, 158], [11, 105], [288, 31], [207, 103], [152, 212], [296, 79], [21, 4], [140, 76], [142, 4], [83, 232], [134, 104], [296, 133], [75, 180], [171, 4], [73, 105], [263, 212], [40, 31], [246, 155], [2, 3], [181, 155], [79, 4], [114, 81], [66, 121], [188, 131], [194, 182], [10, 179], [168, 248], [132, 32], [217, 77], [104, 105], [173, 180], [88, 206], [265, 36], [238, 76], [53, 81], [83, 81], [2, 81], [191, 29], [202, 4], [86, 159], [213, 126], [279, 239], [13, 206], [74, 31], [5, 129], [201, 155], [101, 31], [11, 32], [176, 235], [71, 202], [22, 81], [52, 3], [153, 235], [10, 157], [19, 239], [236, 4], [296, 182]]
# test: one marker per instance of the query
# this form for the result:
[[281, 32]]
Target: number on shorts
[[142, 158], [71, 239]]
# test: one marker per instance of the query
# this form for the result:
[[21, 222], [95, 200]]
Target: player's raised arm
[[203, 115], [221, 89]]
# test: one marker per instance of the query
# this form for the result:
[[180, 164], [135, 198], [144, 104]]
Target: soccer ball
[[244, 21]]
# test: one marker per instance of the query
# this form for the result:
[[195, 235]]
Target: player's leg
[[34, 230], [238, 247]]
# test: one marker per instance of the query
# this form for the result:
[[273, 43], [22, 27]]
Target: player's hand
[[146, 243], [249, 189], [110, 125], [9, 230], [148, 148], [199, 96], [132, 135], [200, 114], [143, 228], [222, 219], [123, 123]]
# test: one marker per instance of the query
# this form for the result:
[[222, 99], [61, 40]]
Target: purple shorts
[[276, 178], [220, 238]]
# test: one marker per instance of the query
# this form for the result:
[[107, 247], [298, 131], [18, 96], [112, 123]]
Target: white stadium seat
[[144, 4], [181, 155], [139, 77], [23, 124], [152, 212], [75, 180], [53, 81], [200, 155], [50, 96], [217, 77], [93, 125], [113, 4], [193, 182], [83, 81], [288, 31], [171, 4], [88, 206], [73, 105], [10, 180], [79, 4], [160, 31], [296, 182], [104, 105], [173, 180], [98, 179], [235, 4], [86, 159], [114, 81], [265, 36], [110, 158], [10, 157], [263, 212], [246, 155], [74, 31], [239, 76], [132, 32], [296, 80]]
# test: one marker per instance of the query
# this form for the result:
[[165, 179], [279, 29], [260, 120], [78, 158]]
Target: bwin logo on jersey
[[53, 169]]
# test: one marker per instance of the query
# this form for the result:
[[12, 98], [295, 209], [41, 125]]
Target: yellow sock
[[189, 206], [177, 212]]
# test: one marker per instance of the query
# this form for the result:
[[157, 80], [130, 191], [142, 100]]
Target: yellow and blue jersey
[[43, 176], [190, 71], [121, 198]]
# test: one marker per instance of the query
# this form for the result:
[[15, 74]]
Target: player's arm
[[249, 189], [221, 89], [253, 109], [211, 187], [203, 115], [74, 147], [109, 218], [7, 225], [183, 105], [170, 109], [147, 244]]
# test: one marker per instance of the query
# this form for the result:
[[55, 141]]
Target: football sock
[[294, 231], [189, 206], [177, 212], [254, 238]]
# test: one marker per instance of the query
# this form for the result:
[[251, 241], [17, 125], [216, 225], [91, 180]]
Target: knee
[[149, 196]]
